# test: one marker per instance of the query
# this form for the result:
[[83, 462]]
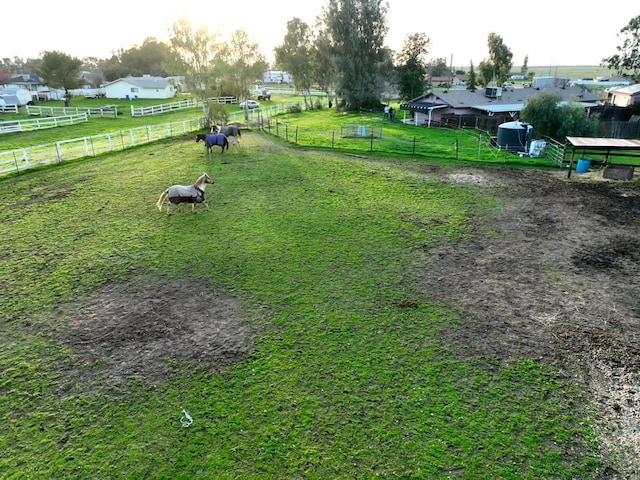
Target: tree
[[59, 70], [472, 85], [150, 58], [324, 65], [497, 67], [628, 56], [193, 55], [412, 66], [438, 67], [242, 63], [525, 66], [357, 29], [296, 56], [549, 117]]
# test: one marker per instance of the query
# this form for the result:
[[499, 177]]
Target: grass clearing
[[348, 376]]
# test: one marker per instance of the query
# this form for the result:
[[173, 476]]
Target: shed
[[140, 87], [604, 148]]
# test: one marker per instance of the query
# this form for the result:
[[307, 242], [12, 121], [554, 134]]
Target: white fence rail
[[9, 108], [104, 111], [41, 123], [162, 108], [65, 150]]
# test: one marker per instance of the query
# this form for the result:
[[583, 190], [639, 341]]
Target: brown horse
[[212, 139]]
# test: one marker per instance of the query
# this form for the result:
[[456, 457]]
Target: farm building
[[625, 96], [501, 104], [140, 87]]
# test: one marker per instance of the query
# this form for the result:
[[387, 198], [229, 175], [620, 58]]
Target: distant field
[[573, 72]]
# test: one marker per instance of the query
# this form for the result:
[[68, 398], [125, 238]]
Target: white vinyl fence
[[9, 108], [162, 108], [41, 123], [65, 150], [104, 111]]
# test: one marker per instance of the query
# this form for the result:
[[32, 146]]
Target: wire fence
[[459, 144]]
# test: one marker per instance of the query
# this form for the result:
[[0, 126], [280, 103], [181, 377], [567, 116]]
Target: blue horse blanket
[[214, 139]]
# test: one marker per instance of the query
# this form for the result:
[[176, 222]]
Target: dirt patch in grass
[[554, 275], [138, 330]]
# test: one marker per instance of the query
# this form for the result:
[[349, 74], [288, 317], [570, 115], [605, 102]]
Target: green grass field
[[319, 249]]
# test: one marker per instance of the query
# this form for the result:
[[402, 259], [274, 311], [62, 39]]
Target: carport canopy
[[603, 148]]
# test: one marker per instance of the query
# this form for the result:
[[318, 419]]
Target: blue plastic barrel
[[583, 166]]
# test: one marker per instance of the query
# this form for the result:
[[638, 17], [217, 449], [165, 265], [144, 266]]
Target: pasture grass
[[320, 248]]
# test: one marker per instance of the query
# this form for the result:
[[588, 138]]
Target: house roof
[[512, 99], [143, 82], [629, 90]]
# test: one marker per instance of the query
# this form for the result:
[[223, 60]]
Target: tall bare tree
[[242, 62], [193, 55]]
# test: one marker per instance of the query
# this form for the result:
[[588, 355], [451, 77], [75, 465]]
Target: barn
[[140, 87]]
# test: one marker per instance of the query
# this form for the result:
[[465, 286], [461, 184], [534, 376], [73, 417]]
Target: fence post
[[371, 142], [333, 139], [297, 134], [457, 150], [414, 145]]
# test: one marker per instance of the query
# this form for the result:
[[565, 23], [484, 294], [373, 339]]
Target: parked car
[[250, 104], [264, 95]]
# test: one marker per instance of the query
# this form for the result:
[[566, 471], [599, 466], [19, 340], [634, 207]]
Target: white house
[[625, 96], [140, 87]]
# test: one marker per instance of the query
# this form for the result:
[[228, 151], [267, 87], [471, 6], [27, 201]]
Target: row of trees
[[343, 54]]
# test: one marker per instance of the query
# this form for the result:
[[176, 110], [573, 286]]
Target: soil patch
[[140, 329], [554, 275]]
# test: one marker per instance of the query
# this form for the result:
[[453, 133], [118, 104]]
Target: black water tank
[[514, 136]]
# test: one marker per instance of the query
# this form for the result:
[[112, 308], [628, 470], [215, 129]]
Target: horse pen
[[333, 315]]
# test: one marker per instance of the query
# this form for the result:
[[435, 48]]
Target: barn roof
[[143, 82]]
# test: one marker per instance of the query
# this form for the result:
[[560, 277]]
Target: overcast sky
[[559, 32]]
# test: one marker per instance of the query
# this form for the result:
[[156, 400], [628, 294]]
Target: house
[[139, 87], [430, 108], [33, 83], [624, 96]]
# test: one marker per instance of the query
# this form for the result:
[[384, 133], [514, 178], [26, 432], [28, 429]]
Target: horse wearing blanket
[[229, 131], [213, 139], [177, 194]]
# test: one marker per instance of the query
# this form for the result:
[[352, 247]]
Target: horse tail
[[162, 198]]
